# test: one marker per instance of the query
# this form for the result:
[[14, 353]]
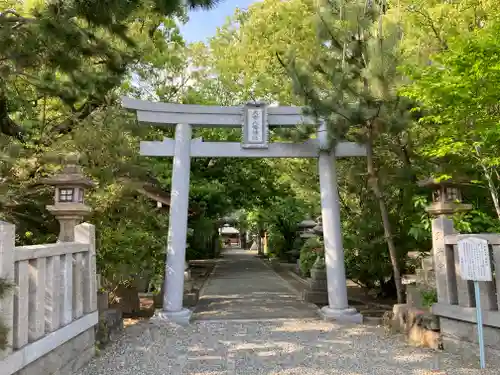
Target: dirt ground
[[199, 274]]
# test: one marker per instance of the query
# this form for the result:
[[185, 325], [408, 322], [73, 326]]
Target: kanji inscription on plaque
[[474, 257], [255, 126]]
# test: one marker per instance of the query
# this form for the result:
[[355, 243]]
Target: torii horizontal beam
[[308, 149], [210, 115]]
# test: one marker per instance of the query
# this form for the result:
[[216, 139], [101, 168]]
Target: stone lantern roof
[[71, 174], [306, 224], [305, 227], [432, 182]]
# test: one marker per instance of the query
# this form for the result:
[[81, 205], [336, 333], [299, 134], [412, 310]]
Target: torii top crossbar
[[255, 119], [211, 115]]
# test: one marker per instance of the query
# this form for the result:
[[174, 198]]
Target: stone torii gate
[[255, 120]]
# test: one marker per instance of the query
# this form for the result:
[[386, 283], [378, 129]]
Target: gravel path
[[217, 344], [281, 347]]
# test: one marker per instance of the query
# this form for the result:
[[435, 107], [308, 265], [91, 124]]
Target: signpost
[[475, 265]]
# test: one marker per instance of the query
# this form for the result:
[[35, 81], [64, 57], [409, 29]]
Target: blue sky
[[203, 24]]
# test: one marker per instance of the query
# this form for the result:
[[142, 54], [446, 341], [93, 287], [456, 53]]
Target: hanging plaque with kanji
[[255, 126]]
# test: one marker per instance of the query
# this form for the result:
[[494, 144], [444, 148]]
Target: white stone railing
[[456, 298], [54, 297]]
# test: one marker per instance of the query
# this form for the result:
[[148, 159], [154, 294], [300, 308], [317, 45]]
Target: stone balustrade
[[53, 310], [456, 299]]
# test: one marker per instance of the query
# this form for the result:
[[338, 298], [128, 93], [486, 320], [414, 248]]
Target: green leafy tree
[[283, 223], [458, 92], [359, 60], [238, 51], [243, 53], [62, 70]]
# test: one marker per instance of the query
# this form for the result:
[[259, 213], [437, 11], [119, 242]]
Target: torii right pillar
[[338, 307]]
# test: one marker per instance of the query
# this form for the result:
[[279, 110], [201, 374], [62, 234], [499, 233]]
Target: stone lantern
[[306, 227], [446, 197], [318, 229], [305, 230], [317, 291], [446, 201], [69, 206]]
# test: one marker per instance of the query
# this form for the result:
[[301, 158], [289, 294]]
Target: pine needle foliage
[[352, 85], [73, 50]]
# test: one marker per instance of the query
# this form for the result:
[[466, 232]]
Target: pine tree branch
[[430, 22], [330, 33], [344, 204], [67, 126], [11, 15], [7, 125], [307, 94], [405, 154]]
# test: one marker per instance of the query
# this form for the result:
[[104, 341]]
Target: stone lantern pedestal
[[70, 209], [318, 285], [446, 201]]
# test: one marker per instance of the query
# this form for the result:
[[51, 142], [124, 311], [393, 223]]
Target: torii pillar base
[[349, 315], [182, 317]]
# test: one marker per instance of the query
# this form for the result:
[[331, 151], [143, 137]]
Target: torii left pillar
[[173, 288]]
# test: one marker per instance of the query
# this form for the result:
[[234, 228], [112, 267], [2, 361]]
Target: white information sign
[[474, 257]]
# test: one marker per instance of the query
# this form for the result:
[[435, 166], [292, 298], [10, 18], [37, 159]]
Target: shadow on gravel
[[279, 347]]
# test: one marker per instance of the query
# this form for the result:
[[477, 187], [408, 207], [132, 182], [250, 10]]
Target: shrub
[[308, 254], [429, 297]]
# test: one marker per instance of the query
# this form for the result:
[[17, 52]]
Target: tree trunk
[[491, 185], [492, 189], [375, 186], [259, 243], [127, 299], [266, 245], [243, 240], [214, 243]]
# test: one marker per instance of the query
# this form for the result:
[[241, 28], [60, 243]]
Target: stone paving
[[243, 287], [298, 345]]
